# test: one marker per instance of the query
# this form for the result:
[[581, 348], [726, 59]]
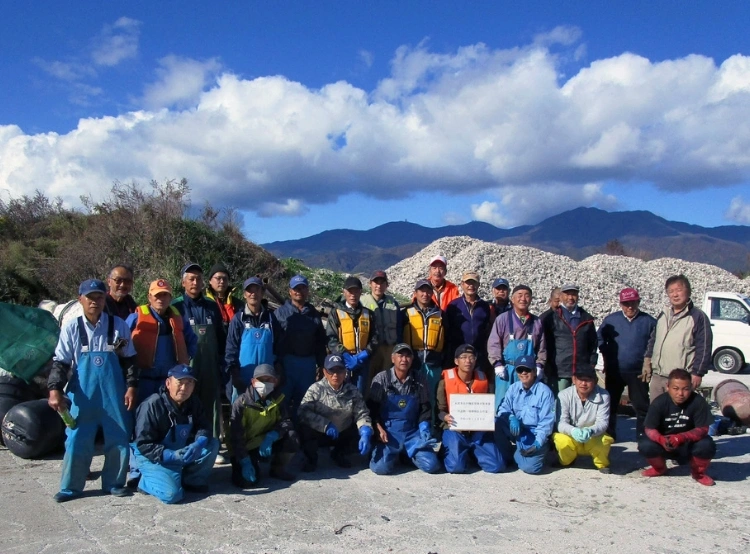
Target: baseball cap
[[440, 259], [191, 265], [422, 283], [333, 361], [629, 295], [465, 349], [400, 347], [500, 282], [265, 370], [217, 268], [585, 371], [91, 285], [252, 281], [470, 276], [525, 361], [298, 280], [160, 285], [352, 283], [379, 274], [182, 371], [568, 287]]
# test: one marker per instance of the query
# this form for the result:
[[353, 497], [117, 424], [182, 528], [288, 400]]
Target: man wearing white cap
[[443, 291], [623, 339]]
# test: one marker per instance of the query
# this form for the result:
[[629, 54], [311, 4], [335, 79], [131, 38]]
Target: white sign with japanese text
[[473, 412]]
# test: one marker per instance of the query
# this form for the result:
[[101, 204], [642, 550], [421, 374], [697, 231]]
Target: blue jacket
[[158, 414], [623, 343], [304, 334], [468, 325]]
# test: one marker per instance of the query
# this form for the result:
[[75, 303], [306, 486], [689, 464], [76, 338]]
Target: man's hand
[[382, 433], [449, 421], [350, 362], [514, 425], [696, 381], [646, 370], [501, 372], [56, 400], [130, 398]]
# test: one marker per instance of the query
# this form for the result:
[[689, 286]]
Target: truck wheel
[[727, 360]]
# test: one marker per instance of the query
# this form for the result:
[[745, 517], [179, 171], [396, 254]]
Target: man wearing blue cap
[[97, 351], [254, 338], [333, 413], [526, 418], [204, 317], [304, 341], [173, 445]]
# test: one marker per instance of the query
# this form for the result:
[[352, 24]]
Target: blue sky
[[307, 116]]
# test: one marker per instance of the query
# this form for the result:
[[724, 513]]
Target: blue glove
[[421, 444], [265, 447], [248, 471], [362, 357], [171, 457], [424, 431], [364, 441], [350, 362], [531, 449], [331, 431], [579, 435], [192, 451], [515, 425]]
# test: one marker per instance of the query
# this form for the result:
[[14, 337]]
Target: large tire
[[728, 361], [33, 429]]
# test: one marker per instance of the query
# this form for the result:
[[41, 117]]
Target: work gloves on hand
[[424, 431], [362, 357], [172, 456], [646, 370], [365, 432], [515, 425], [539, 371], [581, 435], [248, 471], [501, 372], [191, 452], [267, 444], [674, 441], [350, 362], [331, 431], [533, 449]]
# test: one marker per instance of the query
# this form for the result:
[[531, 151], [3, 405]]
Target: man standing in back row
[[443, 291], [385, 311]]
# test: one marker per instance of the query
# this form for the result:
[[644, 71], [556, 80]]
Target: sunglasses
[[523, 370]]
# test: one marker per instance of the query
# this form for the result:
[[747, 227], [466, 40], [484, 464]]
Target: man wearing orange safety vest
[[424, 332], [352, 333], [443, 291]]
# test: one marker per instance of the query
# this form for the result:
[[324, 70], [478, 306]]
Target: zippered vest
[[454, 384], [146, 334], [425, 335], [354, 339], [388, 323]]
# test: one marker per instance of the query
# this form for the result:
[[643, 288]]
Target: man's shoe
[[120, 492], [221, 460], [195, 488], [309, 466], [282, 474], [605, 470], [132, 483], [63, 497]]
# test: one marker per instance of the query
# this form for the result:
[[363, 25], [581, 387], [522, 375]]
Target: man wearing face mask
[[260, 427], [571, 339]]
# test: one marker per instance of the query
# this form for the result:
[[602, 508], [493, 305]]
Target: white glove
[[539, 371], [501, 372]]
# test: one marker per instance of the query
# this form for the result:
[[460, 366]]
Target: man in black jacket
[[571, 339], [174, 447]]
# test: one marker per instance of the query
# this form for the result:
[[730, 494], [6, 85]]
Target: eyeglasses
[[122, 280], [523, 370], [336, 370]]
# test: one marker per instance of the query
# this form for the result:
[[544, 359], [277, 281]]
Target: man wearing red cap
[[443, 291], [623, 338]]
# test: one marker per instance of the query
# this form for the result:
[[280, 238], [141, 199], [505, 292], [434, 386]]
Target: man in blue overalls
[[173, 444], [401, 411], [254, 338], [97, 349]]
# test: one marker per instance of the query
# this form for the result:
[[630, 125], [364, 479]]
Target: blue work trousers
[[385, 456], [459, 445], [510, 447], [299, 374]]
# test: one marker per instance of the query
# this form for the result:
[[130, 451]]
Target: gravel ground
[[600, 277]]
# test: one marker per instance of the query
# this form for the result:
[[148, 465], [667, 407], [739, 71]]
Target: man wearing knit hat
[[623, 338], [220, 290]]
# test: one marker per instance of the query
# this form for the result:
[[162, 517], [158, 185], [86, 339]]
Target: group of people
[[152, 378]]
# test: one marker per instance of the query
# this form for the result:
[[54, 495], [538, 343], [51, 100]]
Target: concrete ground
[[574, 509]]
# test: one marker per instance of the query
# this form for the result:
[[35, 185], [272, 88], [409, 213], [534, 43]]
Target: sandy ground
[[564, 510]]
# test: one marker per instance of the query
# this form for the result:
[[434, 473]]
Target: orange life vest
[[454, 384], [146, 335]]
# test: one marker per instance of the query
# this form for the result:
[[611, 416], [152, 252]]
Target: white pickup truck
[[729, 313]]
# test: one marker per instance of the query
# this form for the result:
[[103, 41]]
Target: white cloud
[[499, 121], [739, 211], [454, 218], [180, 82], [65, 71], [366, 57], [116, 42]]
